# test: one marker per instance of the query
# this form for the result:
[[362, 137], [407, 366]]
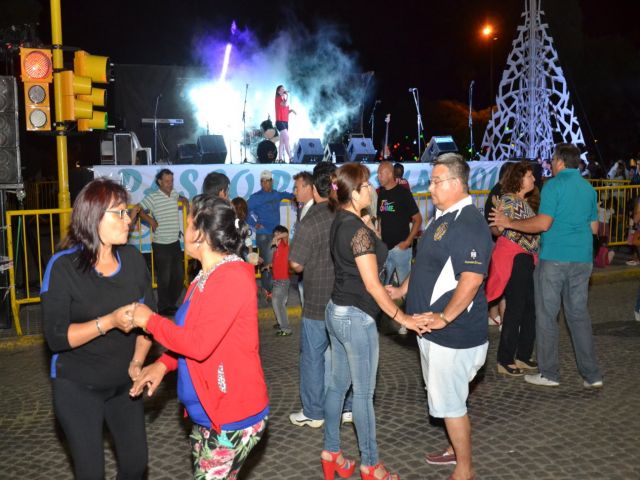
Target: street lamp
[[488, 32]]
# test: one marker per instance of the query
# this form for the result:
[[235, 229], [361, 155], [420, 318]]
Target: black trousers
[[519, 324], [169, 273], [82, 411]]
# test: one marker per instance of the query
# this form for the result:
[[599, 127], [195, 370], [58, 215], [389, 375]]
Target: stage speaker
[[10, 170], [143, 156], [335, 153], [437, 146], [187, 153], [309, 150], [212, 149], [361, 150], [122, 149]]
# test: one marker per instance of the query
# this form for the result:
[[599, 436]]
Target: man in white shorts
[[446, 282]]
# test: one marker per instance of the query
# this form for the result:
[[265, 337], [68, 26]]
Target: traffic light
[[79, 96], [36, 73]]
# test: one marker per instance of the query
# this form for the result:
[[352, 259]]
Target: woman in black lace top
[[357, 298]]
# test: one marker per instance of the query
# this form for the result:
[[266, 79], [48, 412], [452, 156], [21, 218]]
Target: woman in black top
[[95, 354], [357, 297]]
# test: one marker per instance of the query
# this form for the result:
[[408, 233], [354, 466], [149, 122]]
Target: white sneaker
[[347, 417], [538, 379], [637, 315], [598, 384], [402, 330], [300, 419]]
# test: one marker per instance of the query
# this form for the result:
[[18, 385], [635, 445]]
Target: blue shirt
[[264, 208], [456, 241], [572, 203]]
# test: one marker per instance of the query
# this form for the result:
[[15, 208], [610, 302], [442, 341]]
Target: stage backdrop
[[245, 180]]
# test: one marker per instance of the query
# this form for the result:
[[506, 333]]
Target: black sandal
[[510, 371]]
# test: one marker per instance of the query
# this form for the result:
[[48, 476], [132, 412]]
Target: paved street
[[519, 431]]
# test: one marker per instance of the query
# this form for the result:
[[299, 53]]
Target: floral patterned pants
[[220, 456]]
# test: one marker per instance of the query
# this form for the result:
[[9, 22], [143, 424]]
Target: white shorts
[[447, 373]]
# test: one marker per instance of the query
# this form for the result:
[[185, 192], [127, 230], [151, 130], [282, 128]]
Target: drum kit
[[261, 143]]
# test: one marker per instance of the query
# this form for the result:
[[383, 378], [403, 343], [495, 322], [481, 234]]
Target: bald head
[[385, 175]]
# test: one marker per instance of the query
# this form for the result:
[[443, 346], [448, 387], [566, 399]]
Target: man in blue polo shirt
[[446, 285], [568, 217]]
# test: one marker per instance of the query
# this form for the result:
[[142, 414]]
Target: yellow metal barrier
[[615, 209], [41, 195], [32, 236], [424, 201], [605, 182]]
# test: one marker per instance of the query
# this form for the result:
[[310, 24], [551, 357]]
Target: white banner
[[245, 180]]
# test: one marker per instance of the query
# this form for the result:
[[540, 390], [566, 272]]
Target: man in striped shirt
[[160, 210]]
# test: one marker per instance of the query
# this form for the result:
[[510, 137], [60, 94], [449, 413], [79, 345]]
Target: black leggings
[[82, 411], [519, 323]]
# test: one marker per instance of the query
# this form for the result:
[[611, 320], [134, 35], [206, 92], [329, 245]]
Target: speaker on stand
[[437, 146], [212, 149]]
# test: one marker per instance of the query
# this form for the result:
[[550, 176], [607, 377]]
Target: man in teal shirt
[[567, 218]]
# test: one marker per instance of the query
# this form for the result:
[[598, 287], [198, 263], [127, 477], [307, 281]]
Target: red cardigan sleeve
[[210, 315]]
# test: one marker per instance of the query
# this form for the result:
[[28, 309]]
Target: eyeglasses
[[364, 184], [440, 180], [121, 213]]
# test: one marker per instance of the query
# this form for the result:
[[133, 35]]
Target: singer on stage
[[282, 121]]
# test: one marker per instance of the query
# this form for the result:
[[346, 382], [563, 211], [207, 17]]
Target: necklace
[[202, 277]]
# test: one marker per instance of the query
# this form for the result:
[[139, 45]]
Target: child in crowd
[[280, 272]]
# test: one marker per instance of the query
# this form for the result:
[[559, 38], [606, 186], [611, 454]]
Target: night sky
[[435, 46]]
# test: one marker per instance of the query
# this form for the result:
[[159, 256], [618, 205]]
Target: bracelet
[[444, 319], [100, 331], [394, 315]]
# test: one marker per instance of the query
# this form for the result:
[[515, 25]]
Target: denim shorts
[[447, 373]]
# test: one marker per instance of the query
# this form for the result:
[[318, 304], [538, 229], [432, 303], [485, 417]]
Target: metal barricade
[[615, 212], [425, 206]]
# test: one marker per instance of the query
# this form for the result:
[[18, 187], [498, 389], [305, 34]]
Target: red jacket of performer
[[282, 108]]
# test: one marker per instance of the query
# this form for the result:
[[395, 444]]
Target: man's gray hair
[[457, 166]]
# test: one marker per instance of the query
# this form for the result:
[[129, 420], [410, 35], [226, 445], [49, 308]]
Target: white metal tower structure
[[533, 111]]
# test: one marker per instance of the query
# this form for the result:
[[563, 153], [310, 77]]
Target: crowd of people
[[353, 249]]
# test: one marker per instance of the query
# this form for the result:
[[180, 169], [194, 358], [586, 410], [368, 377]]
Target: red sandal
[[331, 467], [370, 475]]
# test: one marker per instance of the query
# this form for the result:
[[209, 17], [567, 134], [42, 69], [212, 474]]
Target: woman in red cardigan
[[213, 344]]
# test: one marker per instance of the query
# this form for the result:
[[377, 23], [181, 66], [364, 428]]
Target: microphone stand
[[244, 125], [372, 120], [472, 146], [416, 100], [155, 130]]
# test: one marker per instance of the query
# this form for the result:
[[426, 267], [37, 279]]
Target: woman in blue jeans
[[357, 297]]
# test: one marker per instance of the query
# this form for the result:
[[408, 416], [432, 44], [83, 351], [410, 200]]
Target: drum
[[269, 132], [267, 152]]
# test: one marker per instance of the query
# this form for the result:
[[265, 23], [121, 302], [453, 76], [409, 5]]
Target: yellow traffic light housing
[[96, 69], [36, 69]]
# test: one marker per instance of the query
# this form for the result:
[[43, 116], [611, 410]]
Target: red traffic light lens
[[37, 65]]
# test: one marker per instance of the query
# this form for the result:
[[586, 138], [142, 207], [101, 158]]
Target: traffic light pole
[[64, 197]]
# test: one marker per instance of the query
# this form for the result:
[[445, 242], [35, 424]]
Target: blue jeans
[[279, 303], [315, 368], [354, 361], [565, 282], [263, 242], [400, 261]]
